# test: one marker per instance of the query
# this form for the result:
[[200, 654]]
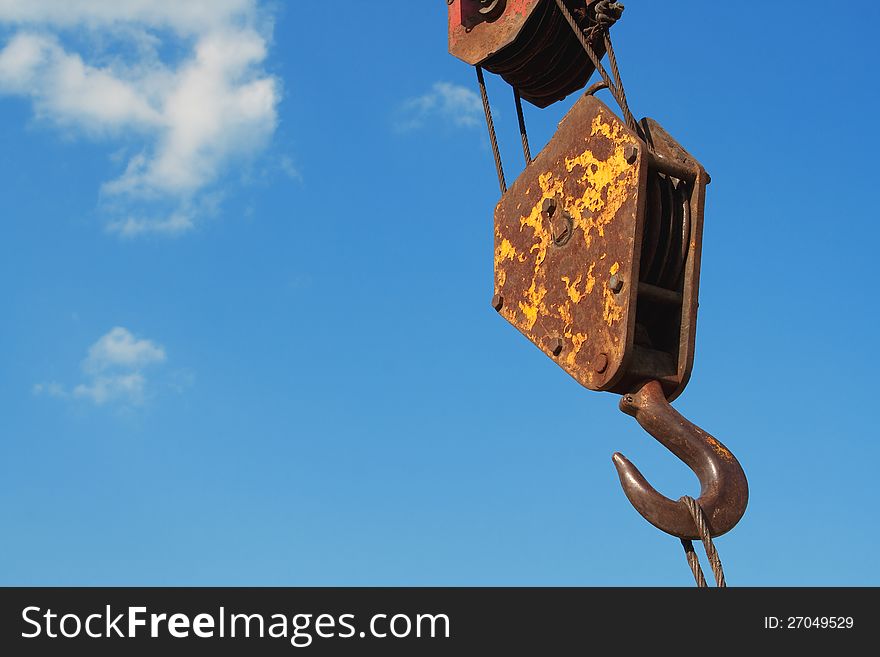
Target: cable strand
[[694, 562], [705, 535], [615, 89], [490, 125], [527, 153]]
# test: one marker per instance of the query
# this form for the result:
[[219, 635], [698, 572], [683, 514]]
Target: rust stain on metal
[[720, 449], [563, 290], [473, 39]]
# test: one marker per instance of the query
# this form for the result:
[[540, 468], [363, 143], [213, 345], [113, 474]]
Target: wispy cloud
[[187, 116], [178, 222], [288, 168], [449, 103], [120, 349], [113, 370]]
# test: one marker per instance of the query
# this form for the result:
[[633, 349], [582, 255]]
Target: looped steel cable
[[615, 86], [711, 553], [615, 71], [606, 13]]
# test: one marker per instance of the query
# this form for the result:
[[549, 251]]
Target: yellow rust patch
[[577, 341], [606, 183], [572, 288], [565, 316], [506, 251], [534, 304], [613, 311], [591, 280]]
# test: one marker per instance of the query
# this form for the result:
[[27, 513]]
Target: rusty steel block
[[569, 251]]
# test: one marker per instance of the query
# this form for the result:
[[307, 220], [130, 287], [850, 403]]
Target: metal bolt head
[[600, 363], [556, 346], [561, 228], [615, 284], [498, 302], [558, 221], [631, 153]]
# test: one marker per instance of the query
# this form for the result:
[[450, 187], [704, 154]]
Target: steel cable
[[527, 153], [694, 562], [711, 553], [615, 88], [491, 127]]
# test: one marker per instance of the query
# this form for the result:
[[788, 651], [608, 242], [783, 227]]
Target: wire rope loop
[[706, 537]]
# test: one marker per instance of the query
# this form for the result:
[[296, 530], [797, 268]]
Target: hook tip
[[634, 484]]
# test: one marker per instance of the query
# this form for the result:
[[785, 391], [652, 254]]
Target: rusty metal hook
[[725, 491]]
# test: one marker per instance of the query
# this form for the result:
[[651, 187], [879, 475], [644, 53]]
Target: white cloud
[[113, 370], [190, 117], [447, 102], [126, 388], [67, 90], [120, 349]]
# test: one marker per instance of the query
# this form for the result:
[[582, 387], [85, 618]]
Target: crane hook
[[724, 490]]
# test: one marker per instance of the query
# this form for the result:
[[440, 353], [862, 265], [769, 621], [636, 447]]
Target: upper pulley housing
[[526, 42]]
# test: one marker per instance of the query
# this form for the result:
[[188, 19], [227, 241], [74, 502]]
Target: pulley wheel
[[651, 233], [664, 219]]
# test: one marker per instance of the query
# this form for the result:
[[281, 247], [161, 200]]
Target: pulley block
[[597, 251], [526, 42]]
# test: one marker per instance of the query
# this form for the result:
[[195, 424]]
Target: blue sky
[[247, 262]]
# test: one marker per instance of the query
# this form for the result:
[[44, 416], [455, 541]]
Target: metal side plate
[[571, 293]]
